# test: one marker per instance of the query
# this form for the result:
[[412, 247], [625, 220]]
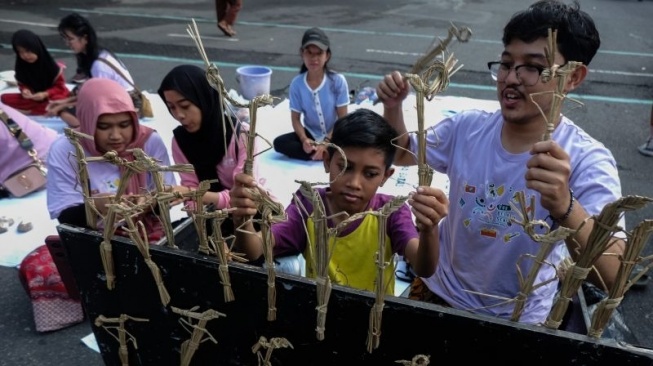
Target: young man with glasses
[[489, 157]]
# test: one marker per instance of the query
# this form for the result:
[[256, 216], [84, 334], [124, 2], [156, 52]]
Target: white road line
[[230, 39], [45, 25], [400, 53], [622, 73]]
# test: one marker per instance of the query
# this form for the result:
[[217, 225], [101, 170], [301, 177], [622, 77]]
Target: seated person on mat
[[40, 79], [365, 137], [106, 112], [318, 97], [207, 137]]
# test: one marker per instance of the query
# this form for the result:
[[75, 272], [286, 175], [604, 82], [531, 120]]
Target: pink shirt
[[232, 163]]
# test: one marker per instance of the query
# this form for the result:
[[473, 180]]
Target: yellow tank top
[[353, 260]]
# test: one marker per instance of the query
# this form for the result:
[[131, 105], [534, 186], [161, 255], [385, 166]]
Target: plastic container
[[253, 80]]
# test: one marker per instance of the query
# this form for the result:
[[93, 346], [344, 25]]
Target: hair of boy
[[364, 128], [80, 27], [577, 37]]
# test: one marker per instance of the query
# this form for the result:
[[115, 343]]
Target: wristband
[[571, 207]]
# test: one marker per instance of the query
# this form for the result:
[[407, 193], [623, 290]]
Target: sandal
[[225, 29]]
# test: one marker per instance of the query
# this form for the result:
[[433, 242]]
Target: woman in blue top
[[319, 94]]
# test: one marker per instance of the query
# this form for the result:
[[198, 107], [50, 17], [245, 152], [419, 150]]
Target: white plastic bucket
[[253, 80]]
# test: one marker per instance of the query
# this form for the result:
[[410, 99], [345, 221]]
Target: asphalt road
[[369, 38]]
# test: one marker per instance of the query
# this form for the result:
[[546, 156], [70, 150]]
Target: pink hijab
[[100, 96]]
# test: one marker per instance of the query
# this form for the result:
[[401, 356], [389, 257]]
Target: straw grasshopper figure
[[197, 212], [547, 242], [216, 82], [376, 313], [559, 74], [74, 136], [189, 346], [152, 165], [129, 168], [636, 243], [599, 240], [271, 212], [269, 346], [219, 247], [138, 235], [91, 211], [319, 251], [429, 77], [122, 335]]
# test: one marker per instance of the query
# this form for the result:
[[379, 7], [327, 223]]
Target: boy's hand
[[548, 172], [241, 196], [429, 205], [393, 89]]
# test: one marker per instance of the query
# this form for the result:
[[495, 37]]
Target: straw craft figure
[[376, 313], [156, 170], [636, 243], [547, 241], [269, 346], [92, 214], [224, 254], [122, 335], [320, 250], [138, 235], [559, 74], [189, 346], [198, 213], [216, 82], [270, 210], [128, 169], [599, 240], [429, 77], [74, 136]]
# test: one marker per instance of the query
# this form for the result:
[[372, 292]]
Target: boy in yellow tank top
[[366, 140]]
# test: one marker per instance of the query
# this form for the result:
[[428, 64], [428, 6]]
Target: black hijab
[[206, 147], [40, 75]]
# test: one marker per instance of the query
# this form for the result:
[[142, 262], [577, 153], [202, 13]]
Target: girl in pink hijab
[[106, 112]]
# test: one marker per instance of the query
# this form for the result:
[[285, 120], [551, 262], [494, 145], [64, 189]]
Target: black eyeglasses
[[527, 74]]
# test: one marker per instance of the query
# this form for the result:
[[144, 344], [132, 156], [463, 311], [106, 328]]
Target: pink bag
[[25, 181]]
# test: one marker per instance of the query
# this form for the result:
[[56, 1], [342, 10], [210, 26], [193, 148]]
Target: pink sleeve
[[188, 179], [227, 172]]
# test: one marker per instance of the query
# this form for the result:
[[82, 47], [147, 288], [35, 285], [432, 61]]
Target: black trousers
[[289, 145]]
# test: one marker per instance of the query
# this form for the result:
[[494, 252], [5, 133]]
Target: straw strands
[[599, 240]]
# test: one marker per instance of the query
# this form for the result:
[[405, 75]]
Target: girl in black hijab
[[40, 79], [216, 149]]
